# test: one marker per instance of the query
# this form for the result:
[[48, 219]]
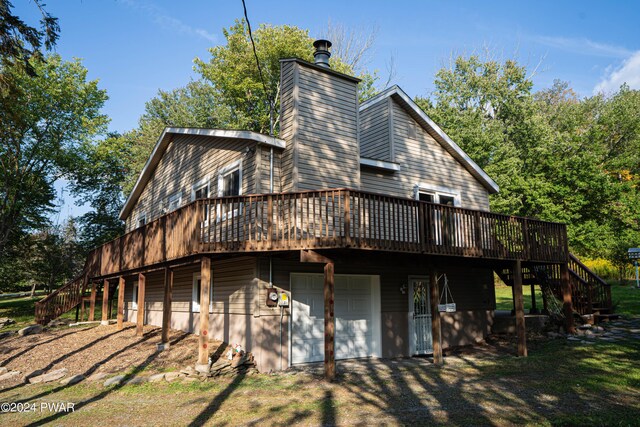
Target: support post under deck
[[519, 308]]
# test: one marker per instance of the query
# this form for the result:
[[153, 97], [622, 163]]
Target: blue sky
[[135, 47]]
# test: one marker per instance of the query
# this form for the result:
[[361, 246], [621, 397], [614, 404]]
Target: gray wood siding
[[319, 121], [375, 132], [423, 160], [187, 160], [288, 120], [235, 287], [262, 170], [471, 285]]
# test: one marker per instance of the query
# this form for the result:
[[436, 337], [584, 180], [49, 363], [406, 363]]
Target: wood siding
[[187, 160], [422, 160], [375, 131], [319, 121]]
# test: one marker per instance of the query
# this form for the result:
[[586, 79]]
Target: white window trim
[[437, 191], [204, 182], [141, 215], [231, 167], [134, 299], [172, 198], [195, 305], [226, 170]]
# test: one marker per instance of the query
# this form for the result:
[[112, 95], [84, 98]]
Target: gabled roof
[[166, 138], [434, 130]]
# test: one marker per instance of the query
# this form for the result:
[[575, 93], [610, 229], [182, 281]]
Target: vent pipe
[[322, 53]]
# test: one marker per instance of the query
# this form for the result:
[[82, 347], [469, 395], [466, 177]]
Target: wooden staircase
[[590, 295], [61, 300]]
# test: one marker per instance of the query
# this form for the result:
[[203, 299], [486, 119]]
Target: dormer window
[[230, 180]]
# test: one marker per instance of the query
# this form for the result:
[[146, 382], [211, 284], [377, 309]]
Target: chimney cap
[[322, 52]]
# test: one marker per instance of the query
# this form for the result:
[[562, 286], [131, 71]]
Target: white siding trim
[[379, 164], [195, 305]]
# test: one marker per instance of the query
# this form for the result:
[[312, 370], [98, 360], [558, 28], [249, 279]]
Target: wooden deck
[[329, 219]]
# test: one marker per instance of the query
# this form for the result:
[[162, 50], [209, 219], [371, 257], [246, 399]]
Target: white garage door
[[357, 317]]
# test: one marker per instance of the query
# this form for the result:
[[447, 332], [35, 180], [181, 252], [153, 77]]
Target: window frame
[[195, 295], [134, 294], [436, 191], [222, 173], [141, 216], [177, 196]]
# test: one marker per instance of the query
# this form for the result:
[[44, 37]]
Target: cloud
[[583, 46], [160, 17], [628, 72]]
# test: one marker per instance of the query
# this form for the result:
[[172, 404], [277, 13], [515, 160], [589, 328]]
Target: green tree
[[20, 42], [44, 120]]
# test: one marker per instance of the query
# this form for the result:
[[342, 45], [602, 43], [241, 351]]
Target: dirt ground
[[94, 349], [562, 382]]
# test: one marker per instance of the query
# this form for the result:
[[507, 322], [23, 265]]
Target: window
[[195, 296], [134, 299], [229, 184], [200, 190], [142, 219], [437, 194], [230, 180], [175, 201]]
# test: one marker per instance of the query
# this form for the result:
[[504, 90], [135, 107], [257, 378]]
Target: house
[[334, 240]]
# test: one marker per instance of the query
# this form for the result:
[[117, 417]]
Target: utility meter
[[272, 297], [283, 301]]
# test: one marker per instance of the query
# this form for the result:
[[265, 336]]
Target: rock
[[98, 376], [137, 380], [49, 376], [573, 338], [30, 330], [585, 326], [219, 364], [117, 380], [5, 321], [9, 375], [238, 359], [3, 370], [156, 378], [6, 334], [597, 328], [170, 376], [57, 322], [72, 380], [189, 371], [33, 374], [190, 379]]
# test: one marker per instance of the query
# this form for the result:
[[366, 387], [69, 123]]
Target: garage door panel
[[354, 320]]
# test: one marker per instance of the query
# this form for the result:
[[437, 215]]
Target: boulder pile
[[240, 363]]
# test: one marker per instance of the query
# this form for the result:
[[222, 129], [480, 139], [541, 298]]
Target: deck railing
[[336, 218], [60, 301]]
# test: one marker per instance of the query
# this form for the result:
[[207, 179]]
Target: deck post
[[329, 312], [566, 298], [92, 301], [329, 323], [203, 338], [166, 306], [105, 303], [140, 317], [120, 302], [436, 323], [519, 307]]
